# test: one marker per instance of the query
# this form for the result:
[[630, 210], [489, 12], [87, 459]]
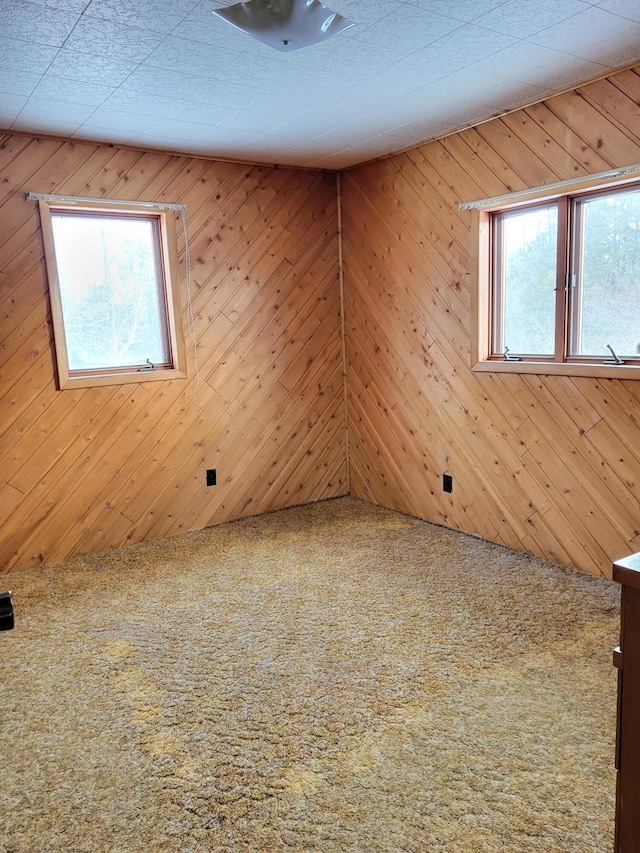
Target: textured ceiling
[[168, 74]]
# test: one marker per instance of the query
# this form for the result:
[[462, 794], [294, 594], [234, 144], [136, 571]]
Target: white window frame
[[168, 286], [482, 359]]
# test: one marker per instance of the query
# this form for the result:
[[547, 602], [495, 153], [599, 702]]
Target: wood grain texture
[[546, 464], [84, 470]]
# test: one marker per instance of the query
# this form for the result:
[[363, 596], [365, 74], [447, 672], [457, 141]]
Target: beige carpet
[[330, 678]]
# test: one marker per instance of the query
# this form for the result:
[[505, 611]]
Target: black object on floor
[[6, 611]]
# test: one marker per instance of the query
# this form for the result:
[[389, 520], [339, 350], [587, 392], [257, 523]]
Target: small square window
[[114, 293], [605, 281], [524, 275]]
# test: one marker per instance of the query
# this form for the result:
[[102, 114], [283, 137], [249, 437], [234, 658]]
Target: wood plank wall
[[86, 470], [548, 465]]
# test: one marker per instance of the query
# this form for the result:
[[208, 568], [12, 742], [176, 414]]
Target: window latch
[[508, 357], [615, 360], [148, 366]]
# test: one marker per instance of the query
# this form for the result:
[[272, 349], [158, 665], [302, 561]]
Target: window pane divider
[[562, 281]]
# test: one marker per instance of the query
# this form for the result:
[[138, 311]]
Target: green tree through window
[[566, 278], [113, 281], [113, 315], [608, 256]]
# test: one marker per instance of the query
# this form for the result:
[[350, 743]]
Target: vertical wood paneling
[[550, 465], [89, 469]]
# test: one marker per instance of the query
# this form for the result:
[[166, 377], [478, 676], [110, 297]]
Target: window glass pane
[[606, 299], [111, 290], [528, 276]]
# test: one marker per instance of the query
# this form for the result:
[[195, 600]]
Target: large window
[[560, 288], [114, 295]]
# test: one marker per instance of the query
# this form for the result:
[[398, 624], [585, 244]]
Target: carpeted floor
[[331, 678]]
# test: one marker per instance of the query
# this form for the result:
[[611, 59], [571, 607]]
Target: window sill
[[595, 370], [98, 379]]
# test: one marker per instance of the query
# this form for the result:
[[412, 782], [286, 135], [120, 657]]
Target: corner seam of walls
[[343, 334]]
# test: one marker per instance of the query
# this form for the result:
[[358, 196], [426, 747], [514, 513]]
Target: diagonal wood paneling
[[90, 469], [550, 465], [547, 464]]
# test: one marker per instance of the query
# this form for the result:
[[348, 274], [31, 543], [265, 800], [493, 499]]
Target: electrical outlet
[[211, 476], [447, 483]]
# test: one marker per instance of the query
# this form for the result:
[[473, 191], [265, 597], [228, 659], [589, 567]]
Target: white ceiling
[[168, 74]]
